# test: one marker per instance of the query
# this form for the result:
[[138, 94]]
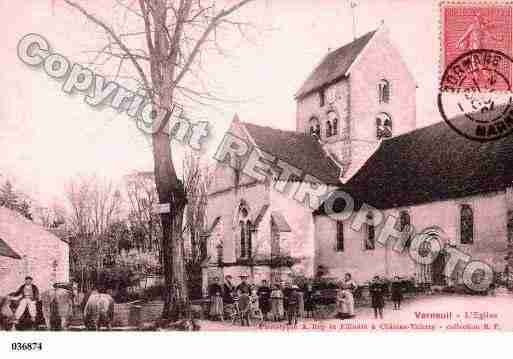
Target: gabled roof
[[7, 251], [334, 65], [431, 164], [297, 149]]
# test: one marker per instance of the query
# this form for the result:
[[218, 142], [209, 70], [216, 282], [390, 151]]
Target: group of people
[[263, 302], [378, 289], [274, 302], [278, 302]]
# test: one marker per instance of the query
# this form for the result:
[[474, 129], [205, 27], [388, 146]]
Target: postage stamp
[[376, 197], [469, 26]]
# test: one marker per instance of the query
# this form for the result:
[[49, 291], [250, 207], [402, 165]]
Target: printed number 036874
[[27, 346]]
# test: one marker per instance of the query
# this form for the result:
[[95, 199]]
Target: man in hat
[[264, 298], [293, 304], [28, 294], [244, 287]]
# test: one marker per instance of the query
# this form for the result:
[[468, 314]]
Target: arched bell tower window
[[383, 126], [329, 129], [332, 124], [383, 91], [315, 127]]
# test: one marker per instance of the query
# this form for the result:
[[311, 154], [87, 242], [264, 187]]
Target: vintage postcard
[[256, 165]]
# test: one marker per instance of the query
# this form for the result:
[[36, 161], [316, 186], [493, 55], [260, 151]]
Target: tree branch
[[118, 41], [205, 35]]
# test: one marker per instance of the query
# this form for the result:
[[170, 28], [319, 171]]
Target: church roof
[[334, 65], [296, 149], [431, 164], [6, 251]]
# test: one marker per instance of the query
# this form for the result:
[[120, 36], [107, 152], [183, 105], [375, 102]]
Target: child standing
[[255, 305], [397, 293]]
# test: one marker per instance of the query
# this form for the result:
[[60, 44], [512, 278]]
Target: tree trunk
[[170, 190]]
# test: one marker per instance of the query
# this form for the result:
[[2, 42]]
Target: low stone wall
[[136, 313]]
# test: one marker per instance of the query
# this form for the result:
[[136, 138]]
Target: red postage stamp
[[475, 26]]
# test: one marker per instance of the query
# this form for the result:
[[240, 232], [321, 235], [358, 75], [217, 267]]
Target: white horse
[[99, 310], [58, 301]]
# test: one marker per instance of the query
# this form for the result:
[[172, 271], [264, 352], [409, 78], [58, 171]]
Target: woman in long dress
[[277, 310], [345, 297], [216, 300]]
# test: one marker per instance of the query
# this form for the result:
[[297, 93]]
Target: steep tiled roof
[[297, 149], [7, 251], [334, 65], [430, 164]]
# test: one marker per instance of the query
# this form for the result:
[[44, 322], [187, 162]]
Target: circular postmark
[[475, 97]]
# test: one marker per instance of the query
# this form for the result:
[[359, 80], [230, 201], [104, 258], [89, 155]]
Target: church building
[[356, 131]]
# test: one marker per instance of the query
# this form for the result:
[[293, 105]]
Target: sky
[[48, 137]]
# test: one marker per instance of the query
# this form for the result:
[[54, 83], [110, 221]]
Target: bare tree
[[94, 206], [177, 34], [49, 217], [197, 179], [142, 200]]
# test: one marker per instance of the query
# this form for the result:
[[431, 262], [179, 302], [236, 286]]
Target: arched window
[[249, 244], [246, 232], [339, 247], [405, 226], [242, 226], [383, 125], [329, 129], [383, 91], [332, 124], [315, 127], [242, 216], [404, 221], [370, 237], [466, 224]]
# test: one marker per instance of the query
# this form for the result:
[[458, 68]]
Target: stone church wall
[[300, 242], [490, 238], [225, 205]]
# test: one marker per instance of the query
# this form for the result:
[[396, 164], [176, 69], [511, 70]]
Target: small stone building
[[26, 248]]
